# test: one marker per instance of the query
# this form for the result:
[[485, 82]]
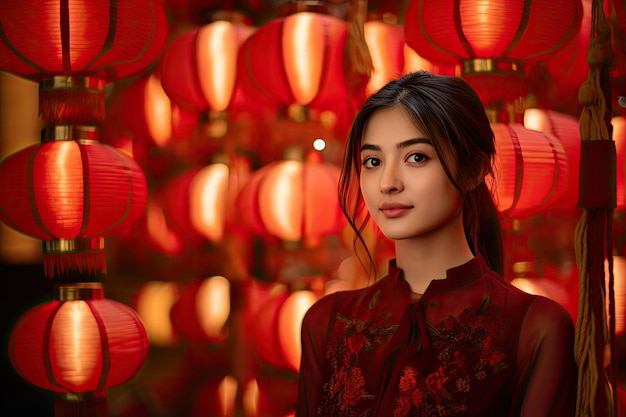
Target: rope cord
[[593, 237]]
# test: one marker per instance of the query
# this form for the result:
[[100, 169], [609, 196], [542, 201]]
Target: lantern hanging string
[[594, 343]]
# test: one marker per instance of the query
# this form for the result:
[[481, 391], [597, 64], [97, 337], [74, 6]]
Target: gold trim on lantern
[[72, 82], [491, 66], [66, 246], [80, 396], [299, 6], [55, 133], [80, 291]]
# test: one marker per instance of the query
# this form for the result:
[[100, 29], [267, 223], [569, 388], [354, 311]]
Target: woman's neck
[[427, 259]]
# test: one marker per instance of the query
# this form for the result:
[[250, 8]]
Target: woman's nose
[[390, 182]]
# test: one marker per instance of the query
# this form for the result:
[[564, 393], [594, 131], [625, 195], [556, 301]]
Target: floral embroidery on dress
[[364, 329], [468, 352]]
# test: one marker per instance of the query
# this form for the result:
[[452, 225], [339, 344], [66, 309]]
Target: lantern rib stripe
[[196, 74], [129, 195], [258, 88], [86, 190], [111, 33], [13, 349], [458, 26], [64, 27], [555, 176], [519, 168], [325, 61], [430, 40], [45, 348], [32, 194], [519, 34], [283, 67], [105, 347], [17, 53], [572, 31]]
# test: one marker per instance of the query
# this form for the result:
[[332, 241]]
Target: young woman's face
[[403, 183]]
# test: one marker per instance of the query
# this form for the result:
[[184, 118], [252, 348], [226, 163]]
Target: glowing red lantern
[[566, 129], [298, 59], [200, 203], [277, 327], [568, 69], [70, 193], [202, 310], [209, 81], [78, 346], [391, 56], [217, 398], [153, 302], [70, 41], [292, 200], [531, 170], [493, 39], [143, 111]]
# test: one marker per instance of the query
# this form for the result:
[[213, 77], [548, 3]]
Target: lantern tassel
[[593, 238], [73, 405], [64, 263]]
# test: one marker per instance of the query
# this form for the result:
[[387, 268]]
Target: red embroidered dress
[[473, 345]]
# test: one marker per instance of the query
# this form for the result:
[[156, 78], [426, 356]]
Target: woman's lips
[[392, 211]]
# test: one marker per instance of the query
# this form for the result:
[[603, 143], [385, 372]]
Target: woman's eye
[[417, 158], [371, 162]]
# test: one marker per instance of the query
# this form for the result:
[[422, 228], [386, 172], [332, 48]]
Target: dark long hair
[[450, 113]]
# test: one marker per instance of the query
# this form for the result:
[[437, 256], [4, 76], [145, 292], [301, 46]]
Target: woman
[[442, 334]]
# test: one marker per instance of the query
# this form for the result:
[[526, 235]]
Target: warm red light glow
[[217, 81], [292, 200], [290, 318], [72, 356], [153, 304], [565, 128], [213, 305], [531, 169], [303, 56], [158, 112]]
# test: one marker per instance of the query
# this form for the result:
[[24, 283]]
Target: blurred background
[[234, 127]]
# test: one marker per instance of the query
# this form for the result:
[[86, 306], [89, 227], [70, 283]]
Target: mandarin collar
[[455, 277]]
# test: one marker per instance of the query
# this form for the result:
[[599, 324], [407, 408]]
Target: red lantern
[[565, 128], [385, 42], [70, 191], [298, 59], [209, 81], [568, 69], [78, 346], [491, 40], [391, 55], [69, 41], [292, 200], [277, 326], [148, 115], [202, 310], [153, 302], [201, 202], [531, 170]]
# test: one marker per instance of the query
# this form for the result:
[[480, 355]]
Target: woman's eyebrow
[[401, 145]]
